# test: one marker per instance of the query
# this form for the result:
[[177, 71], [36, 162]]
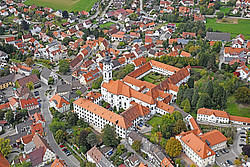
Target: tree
[[193, 165], [24, 25], [178, 161], [51, 81], [109, 136], [60, 136], [136, 145], [237, 162], [246, 150], [180, 94], [37, 72], [165, 44], [5, 146], [92, 139], [29, 61], [190, 82], [195, 98], [187, 106], [90, 164], [65, 14], [217, 46], [9, 117], [219, 97], [30, 85], [78, 92], [2, 113], [242, 94], [23, 164], [64, 66], [245, 158], [204, 101], [97, 83], [209, 88], [220, 15], [82, 141], [179, 126], [173, 147], [72, 118]]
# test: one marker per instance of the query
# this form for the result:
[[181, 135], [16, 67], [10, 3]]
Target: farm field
[[241, 28], [69, 5], [154, 78]]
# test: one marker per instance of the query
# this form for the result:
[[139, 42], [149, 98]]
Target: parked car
[[241, 145], [140, 125], [226, 151], [111, 152], [146, 125], [230, 163], [217, 154], [222, 151], [243, 140], [242, 133], [242, 136]]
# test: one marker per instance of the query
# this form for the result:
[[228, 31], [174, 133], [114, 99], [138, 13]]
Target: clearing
[[235, 29], [237, 109], [154, 78], [155, 120], [69, 5]]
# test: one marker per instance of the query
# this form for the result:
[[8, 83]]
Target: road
[[6, 36], [104, 12], [129, 149], [8, 133], [221, 57], [70, 160]]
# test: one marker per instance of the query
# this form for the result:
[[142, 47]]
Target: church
[[140, 99]]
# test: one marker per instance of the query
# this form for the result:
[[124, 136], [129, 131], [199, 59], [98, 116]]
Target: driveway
[[70, 160]]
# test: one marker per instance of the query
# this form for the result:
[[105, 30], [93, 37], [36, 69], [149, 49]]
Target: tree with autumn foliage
[[173, 147]]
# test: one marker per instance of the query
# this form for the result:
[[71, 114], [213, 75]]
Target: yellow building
[[6, 81]]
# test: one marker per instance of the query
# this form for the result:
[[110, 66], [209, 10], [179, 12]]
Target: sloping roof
[[139, 61], [95, 154], [3, 161], [239, 119], [36, 156], [58, 100], [63, 88], [197, 145], [7, 79], [134, 112], [164, 66], [45, 73], [165, 107], [25, 103], [4, 106], [195, 126], [217, 113], [28, 138], [102, 112], [59, 163], [213, 137], [31, 78]]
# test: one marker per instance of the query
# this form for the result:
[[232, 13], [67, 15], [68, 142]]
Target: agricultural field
[[69, 5], [154, 78], [241, 28]]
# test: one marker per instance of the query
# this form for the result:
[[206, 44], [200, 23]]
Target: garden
[[154, 78]]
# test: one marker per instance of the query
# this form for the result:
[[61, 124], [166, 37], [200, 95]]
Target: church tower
[[107, 69]]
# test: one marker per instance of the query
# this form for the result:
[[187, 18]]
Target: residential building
[[59, 103], [6, 81], [46, 74]]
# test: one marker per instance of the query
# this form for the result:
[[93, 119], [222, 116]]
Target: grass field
[[108, 24], [154, 78], [234, 108], [154, 119], [241, 28], [225, 10], [69, 5]]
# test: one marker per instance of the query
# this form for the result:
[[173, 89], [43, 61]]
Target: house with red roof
[[59, 103], [29, 103]]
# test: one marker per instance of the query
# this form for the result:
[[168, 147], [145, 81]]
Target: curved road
[[70, 160]]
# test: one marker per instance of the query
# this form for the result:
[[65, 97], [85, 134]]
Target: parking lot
[[223, 157]]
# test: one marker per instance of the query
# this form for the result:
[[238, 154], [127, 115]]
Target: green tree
[[5, 146], [193, 165], [92, 139], [72, 118], [136, 146], [178, 161], [187, 107], [217, 46], [180, 94], [60, 136], [51, 81], [64, 66], [30, 85], [204, 101], [109, 136], [97, 83], [9, 117], [219, 97], [78, 92], [237, 162], [179, 126], [90, 164], [220, 15], [195, 98], [209, 88], [37, 72], [242, 94], [23, 164], [173, 147]]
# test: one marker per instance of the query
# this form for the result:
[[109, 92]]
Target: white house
[[244, 72], [59, 103]]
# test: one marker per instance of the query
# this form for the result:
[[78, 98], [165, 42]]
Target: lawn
[[154, 78], [154, 119], [106, 25], [225, 10], [77, 130], [241, 28], [69, 5], [234, 108]]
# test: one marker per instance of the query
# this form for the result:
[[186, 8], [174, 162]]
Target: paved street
[[70, 160], [8, 133]]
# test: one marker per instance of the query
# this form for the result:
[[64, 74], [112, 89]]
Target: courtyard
[[154, 78]]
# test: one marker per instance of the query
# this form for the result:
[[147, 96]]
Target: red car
[[64, 149], [61, 145]]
